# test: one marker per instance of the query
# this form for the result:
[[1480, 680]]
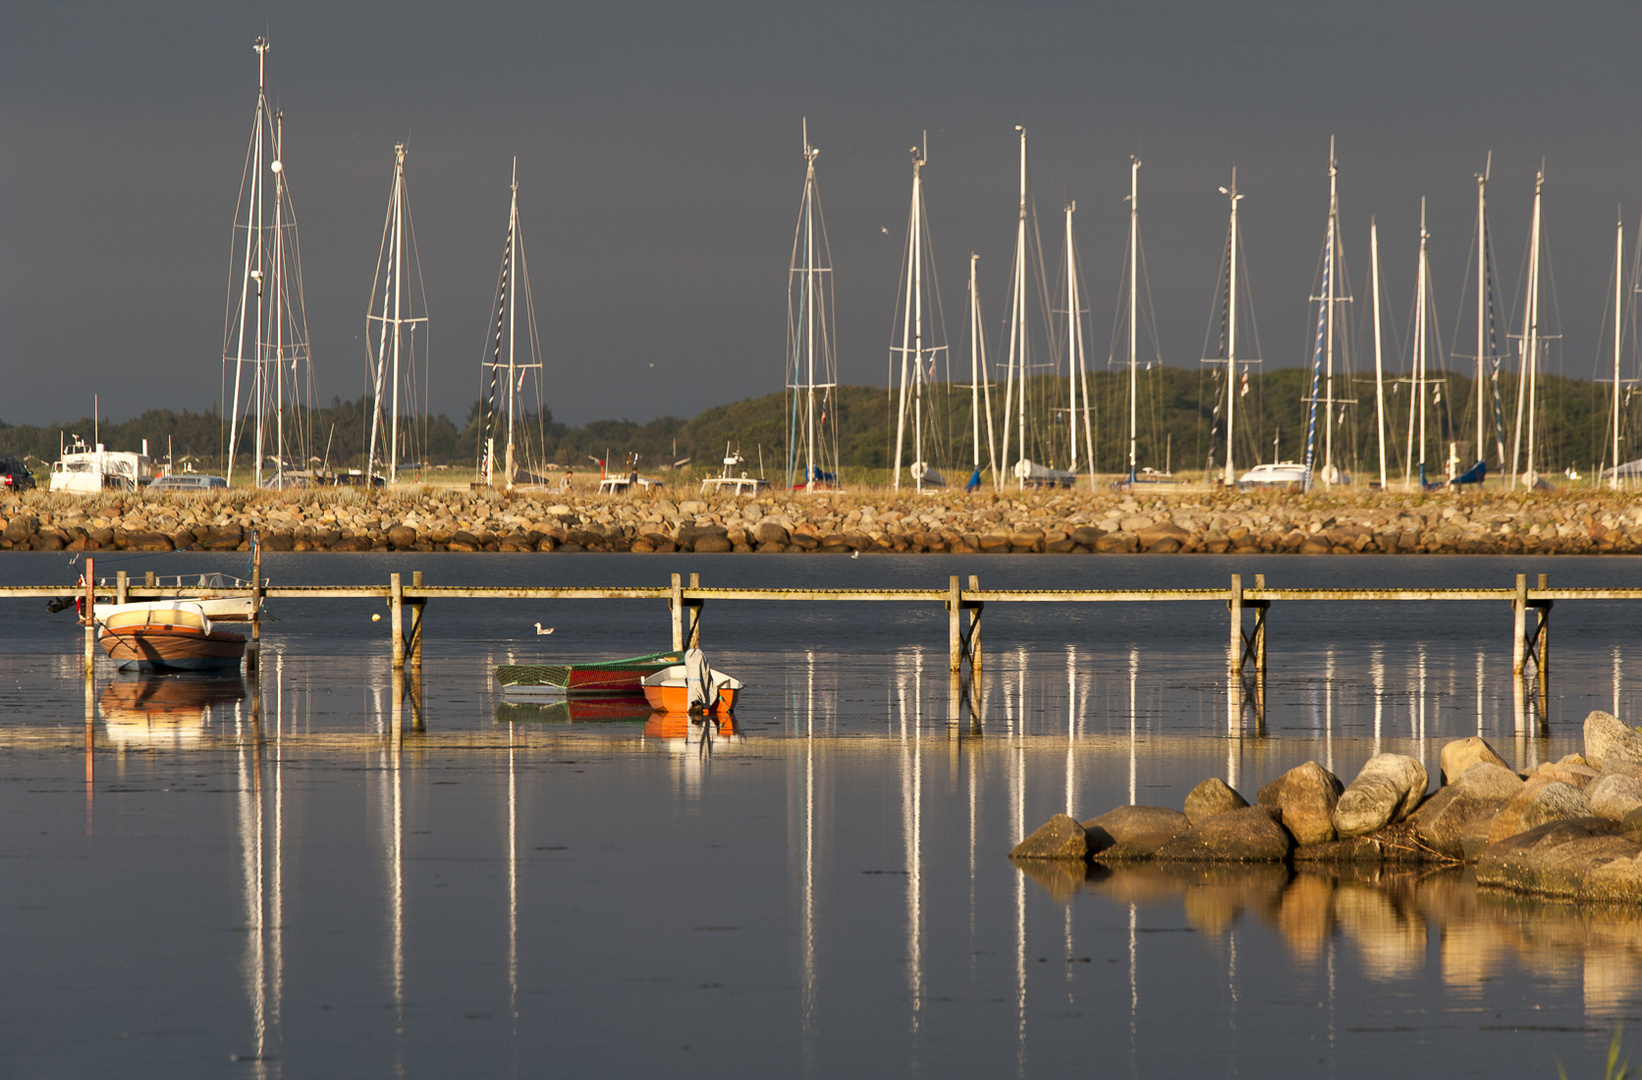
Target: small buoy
[[377, 617]]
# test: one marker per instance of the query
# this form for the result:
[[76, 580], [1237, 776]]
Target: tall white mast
[[1334, 239], [1379, 365], [1134, 274], [1231, 329], [1482, 305], [277, 166], [1018, 351], [253, 274], [1618, 335], [509, 464], [1528, 368], [811, 370], [395, 347], [1072, 338], [978, 373], [912, 335], [1417, 374]]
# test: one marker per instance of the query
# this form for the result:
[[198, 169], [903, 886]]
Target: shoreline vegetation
[[866, 520], [1179, 429]]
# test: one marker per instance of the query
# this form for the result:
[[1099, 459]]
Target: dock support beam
[[253, 651], [1519, 627], [954, 626], [972, 636], [122, 587], [686, 614], [396, 615], [694, 607], [675, 607], [90, 621], [413, 635], [1234, 655]]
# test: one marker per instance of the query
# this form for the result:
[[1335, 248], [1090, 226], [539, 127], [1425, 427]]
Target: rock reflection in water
[[1386, 917]]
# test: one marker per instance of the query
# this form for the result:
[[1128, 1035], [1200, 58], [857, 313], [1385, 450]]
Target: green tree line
[[1178, 424]]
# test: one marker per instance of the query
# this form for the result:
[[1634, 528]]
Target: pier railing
[[1248, 607]]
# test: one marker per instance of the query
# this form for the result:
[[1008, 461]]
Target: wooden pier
[[1249, 608]]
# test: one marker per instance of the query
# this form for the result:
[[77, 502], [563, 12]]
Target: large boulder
[[21, 527], [1610, 745], [1441, 821], [1212, 796], [1133, 832], [1615, 795], [1061, 837], [1248, 835], [1554, 859], [1304, 798], [1388, 789], [1461, 754], [1537, 803]]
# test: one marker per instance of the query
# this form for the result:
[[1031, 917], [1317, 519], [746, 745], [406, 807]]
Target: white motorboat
[[1276, 474]]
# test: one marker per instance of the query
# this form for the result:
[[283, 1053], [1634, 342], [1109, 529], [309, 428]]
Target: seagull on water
[[541, 630], [855, 554]]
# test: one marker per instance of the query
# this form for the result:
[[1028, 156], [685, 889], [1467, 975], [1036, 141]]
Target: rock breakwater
[[873, 521]]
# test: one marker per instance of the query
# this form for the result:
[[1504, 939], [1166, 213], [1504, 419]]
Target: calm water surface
[[228, 877]]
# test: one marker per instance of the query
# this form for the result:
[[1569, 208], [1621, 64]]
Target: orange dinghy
[[691, 687]]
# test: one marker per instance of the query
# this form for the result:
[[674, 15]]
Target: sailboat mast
[[278, 320], [1328, 391], [1379, 364], [1231, 331], [1072, 338], [252, 271], [978, 372], [398, 309], [512, 320], [1618, 335], [1482, 307], [1421, 344], [1528, 368], [809, 308], [1134, 273], [1020, 310], [258, 345]]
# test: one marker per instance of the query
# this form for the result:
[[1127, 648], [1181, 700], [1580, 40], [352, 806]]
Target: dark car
[[14, 475]]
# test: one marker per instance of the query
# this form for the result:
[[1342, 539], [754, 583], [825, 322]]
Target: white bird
[[855, 554], [884, 229], [540, 630]]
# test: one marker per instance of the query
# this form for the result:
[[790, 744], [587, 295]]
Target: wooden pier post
[[396, 616], [1542, 661], [675, 606], [1261, 612], [1235, 605], [1519, 627], [413, 641], [122, 586], [90, 620], [148, 579], [253, 651], [975, 606], [954, 635], [694, 607]]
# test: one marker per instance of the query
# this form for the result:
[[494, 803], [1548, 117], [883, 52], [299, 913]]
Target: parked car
[[14, 475], [187, 482]]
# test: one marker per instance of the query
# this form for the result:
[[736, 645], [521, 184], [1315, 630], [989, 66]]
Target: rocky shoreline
[[1570, 828], [874, 521]]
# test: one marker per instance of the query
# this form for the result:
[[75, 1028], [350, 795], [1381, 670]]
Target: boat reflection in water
[[174, 710], [574, 709]]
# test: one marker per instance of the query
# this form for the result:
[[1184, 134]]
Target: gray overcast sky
[[660, 171]]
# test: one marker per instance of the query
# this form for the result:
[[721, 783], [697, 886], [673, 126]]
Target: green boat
[[596, 677]]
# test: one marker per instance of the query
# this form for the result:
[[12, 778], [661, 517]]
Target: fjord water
[[238, 877]]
